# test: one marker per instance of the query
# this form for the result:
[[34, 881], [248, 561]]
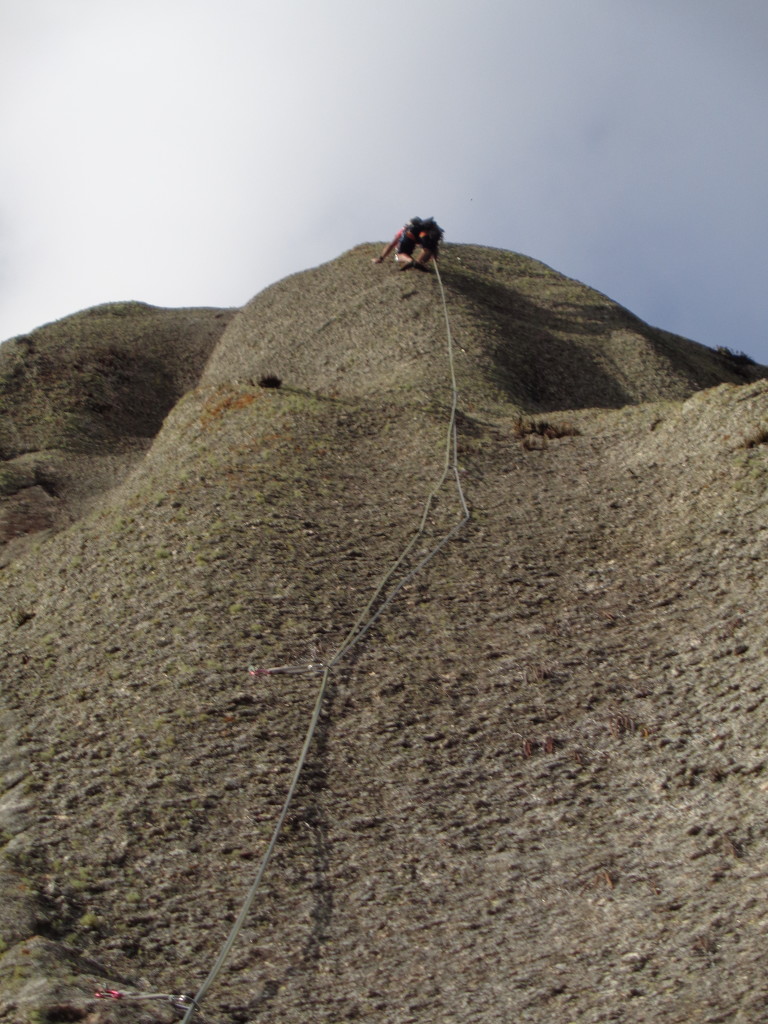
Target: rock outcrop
[[537, 789]]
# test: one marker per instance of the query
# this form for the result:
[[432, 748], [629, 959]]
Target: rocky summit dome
[[526, 335]]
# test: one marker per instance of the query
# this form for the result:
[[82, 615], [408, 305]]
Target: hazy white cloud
[[190, 152]]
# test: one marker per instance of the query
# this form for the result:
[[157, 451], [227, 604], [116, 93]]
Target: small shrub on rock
[[524, 428], [739, 358], [757, 437]]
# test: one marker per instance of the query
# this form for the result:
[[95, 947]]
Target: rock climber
[[424, 233]]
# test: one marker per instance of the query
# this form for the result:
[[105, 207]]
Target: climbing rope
[[180, 1002], [373, 610]]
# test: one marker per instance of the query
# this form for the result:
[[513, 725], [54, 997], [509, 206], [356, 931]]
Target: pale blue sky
[[191, 152]]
